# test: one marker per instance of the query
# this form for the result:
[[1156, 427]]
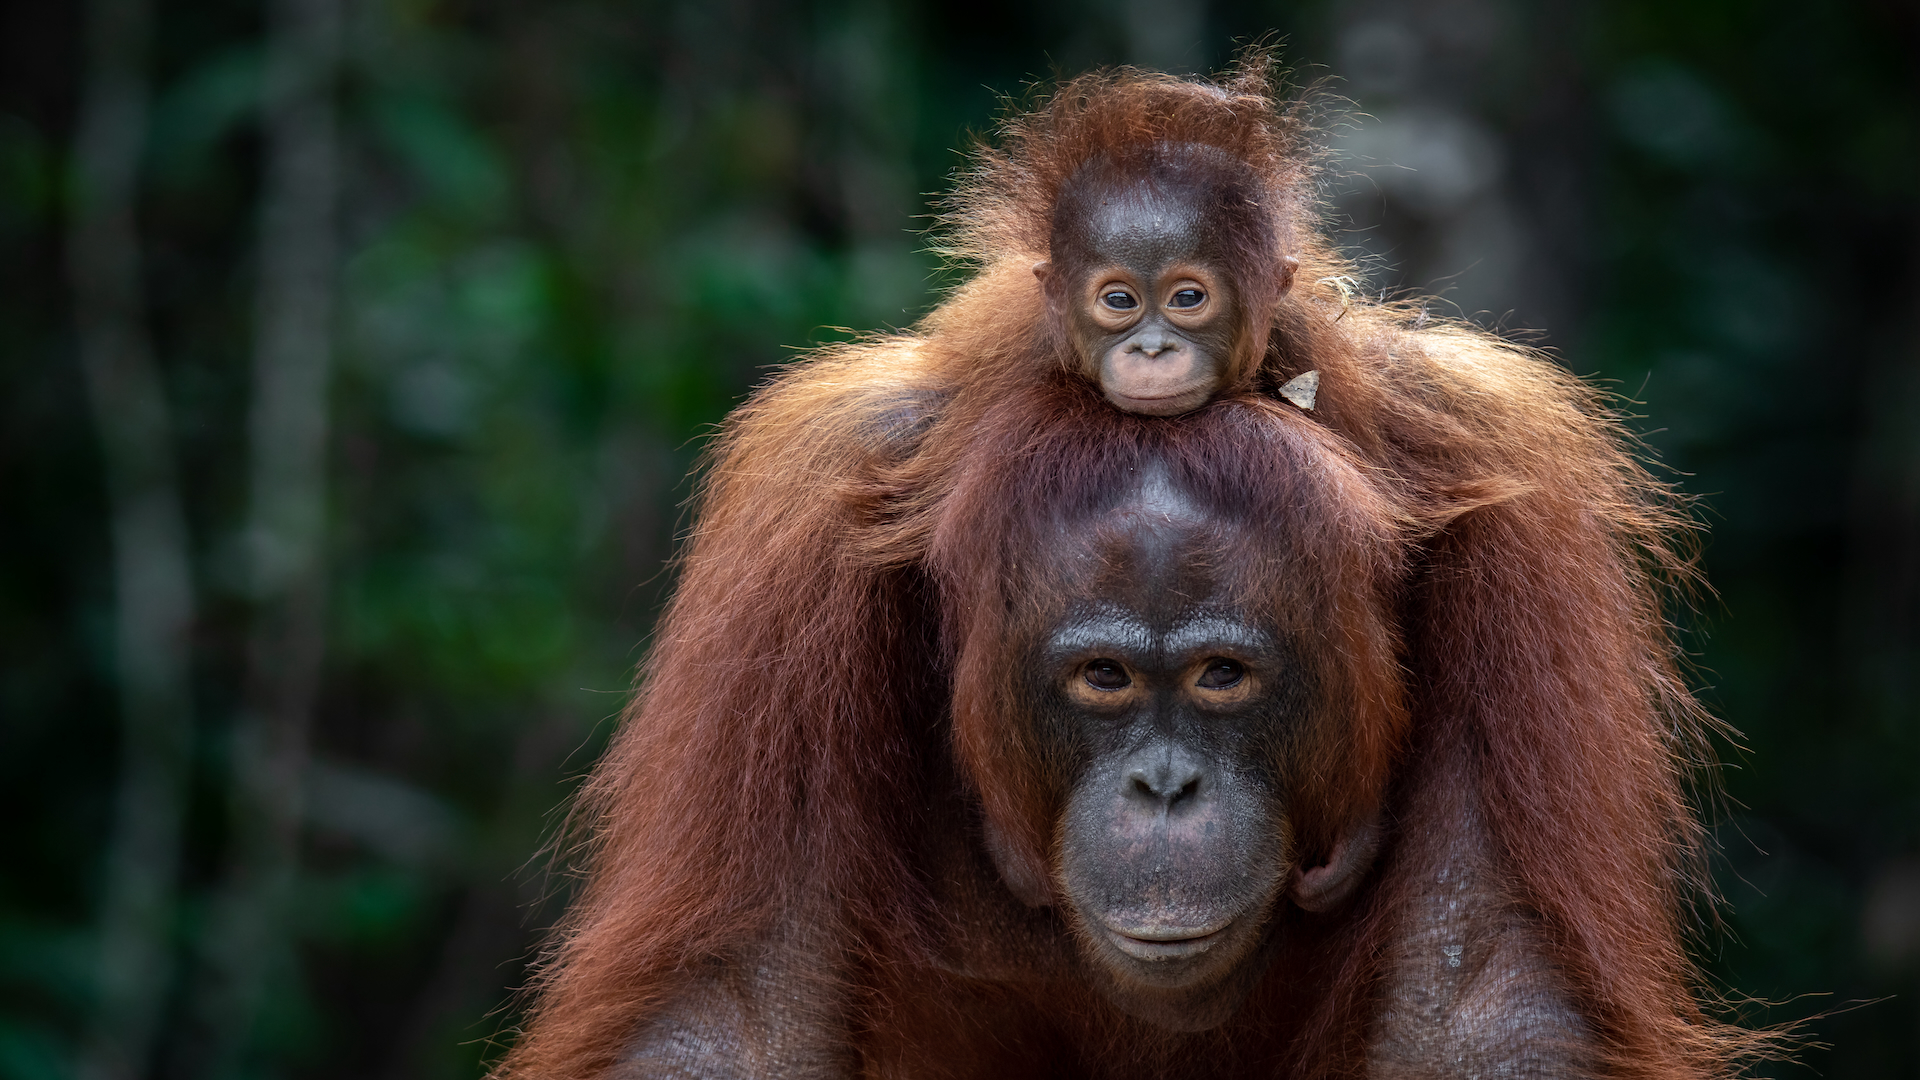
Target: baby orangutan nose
[[1153, 343]]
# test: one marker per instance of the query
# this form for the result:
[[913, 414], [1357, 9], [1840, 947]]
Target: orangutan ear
[[1288, 264], [1319, 888], [1025, 875]]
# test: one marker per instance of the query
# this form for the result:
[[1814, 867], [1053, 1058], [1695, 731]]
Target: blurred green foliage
[[576, 233]]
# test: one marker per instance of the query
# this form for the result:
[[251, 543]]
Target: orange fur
[[1491, 565]]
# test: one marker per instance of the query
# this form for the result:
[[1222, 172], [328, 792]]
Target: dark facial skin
[[1174, 837], [1176, 712], [1148, 302]]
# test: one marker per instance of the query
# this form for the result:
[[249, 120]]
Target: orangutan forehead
[[1153, 205], [1155, 494], [1152, 522], [1146, 517], [1140, 226]]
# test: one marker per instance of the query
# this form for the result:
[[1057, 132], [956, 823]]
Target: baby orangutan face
[[1143, 286], [1147, 305]]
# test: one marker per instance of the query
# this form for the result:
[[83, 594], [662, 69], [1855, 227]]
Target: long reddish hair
[[1497, 563]]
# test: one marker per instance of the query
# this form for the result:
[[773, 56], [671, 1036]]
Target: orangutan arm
[[1470, 989], [774, 1010]]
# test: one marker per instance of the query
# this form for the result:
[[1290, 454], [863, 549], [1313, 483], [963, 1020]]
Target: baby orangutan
[[1161, 257]]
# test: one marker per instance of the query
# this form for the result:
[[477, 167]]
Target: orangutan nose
[[1153, 343], [1164, 777]]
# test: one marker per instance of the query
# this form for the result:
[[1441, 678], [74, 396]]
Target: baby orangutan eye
[[1221, 673], [1107, 675], [1187, 298], [1119, 300]]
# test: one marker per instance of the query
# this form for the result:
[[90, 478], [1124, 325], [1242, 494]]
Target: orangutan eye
[[1119, 300], [1107, 675], [1187, 298], [1221, 673]]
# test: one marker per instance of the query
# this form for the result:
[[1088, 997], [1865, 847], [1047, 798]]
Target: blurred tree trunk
[[153, 591], [286, 527]]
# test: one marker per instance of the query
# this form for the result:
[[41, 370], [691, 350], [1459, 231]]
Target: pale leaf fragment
[[1302, 388]]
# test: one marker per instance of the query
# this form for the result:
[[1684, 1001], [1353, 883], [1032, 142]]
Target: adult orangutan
[[1069, 688]]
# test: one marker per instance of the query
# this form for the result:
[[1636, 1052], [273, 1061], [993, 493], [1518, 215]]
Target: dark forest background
[[355, 354]]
